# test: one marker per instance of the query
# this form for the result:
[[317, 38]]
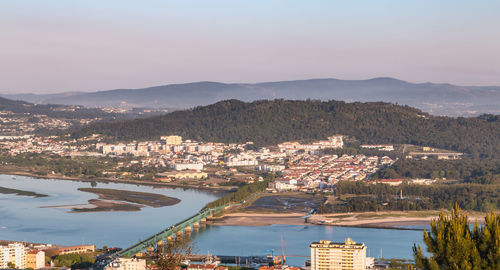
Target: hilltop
[[270, 122], [437, 99]]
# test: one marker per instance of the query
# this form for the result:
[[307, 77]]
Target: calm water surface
[[242, 240], [22, 219]]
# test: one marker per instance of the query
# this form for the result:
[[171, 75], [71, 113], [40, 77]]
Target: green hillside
[[271, 122]]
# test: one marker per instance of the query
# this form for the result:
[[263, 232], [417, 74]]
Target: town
[[298, 166], [17, 255]]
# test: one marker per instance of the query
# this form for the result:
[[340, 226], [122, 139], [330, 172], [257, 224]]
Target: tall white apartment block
[[349, 255], [13, 253]]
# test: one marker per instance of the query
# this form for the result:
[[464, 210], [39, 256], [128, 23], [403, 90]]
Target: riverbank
[[19, 172], [383, 220]]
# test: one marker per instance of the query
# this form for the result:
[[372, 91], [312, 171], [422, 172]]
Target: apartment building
[[35, 259], [13, 253], [326, 255], [171, 140]]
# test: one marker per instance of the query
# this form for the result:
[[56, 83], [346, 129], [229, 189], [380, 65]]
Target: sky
[[89, 45]]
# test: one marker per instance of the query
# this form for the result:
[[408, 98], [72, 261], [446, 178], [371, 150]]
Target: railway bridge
[[174, 230]]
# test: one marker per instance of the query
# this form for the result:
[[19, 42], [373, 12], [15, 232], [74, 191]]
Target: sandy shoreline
[[354, 220]]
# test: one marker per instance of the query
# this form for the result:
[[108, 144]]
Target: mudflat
[[18, 192], [143, 198]]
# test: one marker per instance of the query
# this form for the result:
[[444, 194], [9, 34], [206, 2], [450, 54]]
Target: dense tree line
[[271, 122], [349, 150], [473, 171], [75, 261], [452, 243], [243, 193], [44, 164], [360, 196]]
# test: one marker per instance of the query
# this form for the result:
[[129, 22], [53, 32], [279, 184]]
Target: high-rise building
[[349, 255], [4, 257], [13, 253]]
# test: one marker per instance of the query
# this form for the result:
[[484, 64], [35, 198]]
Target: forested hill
[[272, 122], [437, 99]]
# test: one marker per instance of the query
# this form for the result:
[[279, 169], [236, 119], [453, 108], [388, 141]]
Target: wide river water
[[23, 219]]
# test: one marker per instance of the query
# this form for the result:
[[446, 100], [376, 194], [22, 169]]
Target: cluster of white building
[[32, 144], [308, 172], [166, 144], [380, 147], [313, 148], [17, 255]]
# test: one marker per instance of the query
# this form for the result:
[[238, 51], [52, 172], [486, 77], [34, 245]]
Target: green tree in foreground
[[454, 244], [170, 254], [75, 261]]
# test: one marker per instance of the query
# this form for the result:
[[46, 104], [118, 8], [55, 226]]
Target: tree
[[11, 265], [168, 256], [454, 244]]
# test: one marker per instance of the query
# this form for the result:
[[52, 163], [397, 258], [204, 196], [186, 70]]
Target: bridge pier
[[168, 235], [170, 239], [140, 255], [187, 231]]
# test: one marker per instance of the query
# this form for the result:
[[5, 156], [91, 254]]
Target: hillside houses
[[323, 171]]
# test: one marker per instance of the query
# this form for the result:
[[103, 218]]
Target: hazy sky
[[53, 46]]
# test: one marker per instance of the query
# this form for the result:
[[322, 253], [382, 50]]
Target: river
[[22, 219]]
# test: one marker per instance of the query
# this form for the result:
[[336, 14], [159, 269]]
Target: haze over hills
[[70, 111], [438, 99]]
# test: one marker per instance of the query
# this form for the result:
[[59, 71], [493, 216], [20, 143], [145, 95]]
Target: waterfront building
[[126, 264], [4, 257], [35, 259], [278, 267], [205, 267], [326, 255], [187, 166], [168, 176], [13, 253]]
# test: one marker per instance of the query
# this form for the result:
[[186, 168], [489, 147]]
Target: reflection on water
[[23, 219], [241, 240]]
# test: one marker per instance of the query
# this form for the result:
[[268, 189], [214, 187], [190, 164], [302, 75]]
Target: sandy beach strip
[[250, 219], [353, 220]]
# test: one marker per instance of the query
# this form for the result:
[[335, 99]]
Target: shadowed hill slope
[[272, 122]]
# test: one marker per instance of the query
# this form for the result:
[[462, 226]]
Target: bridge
[[172, 231]]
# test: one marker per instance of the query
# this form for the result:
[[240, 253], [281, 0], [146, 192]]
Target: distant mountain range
[[438, 99]]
